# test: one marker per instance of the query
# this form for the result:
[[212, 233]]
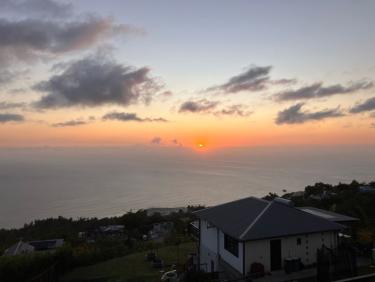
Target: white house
[[19, 248], [237, 234], [22, 248]]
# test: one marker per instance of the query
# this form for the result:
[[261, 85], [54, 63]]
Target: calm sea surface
[[40, 183]]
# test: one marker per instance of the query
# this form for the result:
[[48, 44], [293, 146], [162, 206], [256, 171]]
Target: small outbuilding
[[19, 248]]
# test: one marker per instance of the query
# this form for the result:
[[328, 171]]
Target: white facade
[[212, 247], [302, 246]]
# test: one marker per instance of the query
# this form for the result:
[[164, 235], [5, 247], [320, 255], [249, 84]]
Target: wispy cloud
[[204, 106], [69, 123], [11, 117], [318, 90], [198, 106], [121, 116], [295, 115], [254, 78], [176, 142], [156, 141], [365, 106], [234, 110], [283, 81]]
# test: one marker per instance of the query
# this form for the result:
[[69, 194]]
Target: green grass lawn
[[132, 267]]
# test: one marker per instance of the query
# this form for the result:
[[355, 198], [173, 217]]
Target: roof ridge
[[231, 202], [327, 211], [316, 216], [17, 247], [256, 219]]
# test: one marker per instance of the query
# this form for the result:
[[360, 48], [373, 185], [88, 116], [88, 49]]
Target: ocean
[[97, 182]]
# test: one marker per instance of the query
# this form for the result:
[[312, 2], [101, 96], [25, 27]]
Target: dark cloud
[[317, 90], [253, 79], [130, 117], [43, 8], [28, 39], [69, 123], [365, 106], [11, 117], [11, 105], [283, 81], [295, 115], [234, 110], [156, 141], [199, 106], [95, 81], [205, 106]]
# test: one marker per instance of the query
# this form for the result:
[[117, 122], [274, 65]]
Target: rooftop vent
[[284, 201]]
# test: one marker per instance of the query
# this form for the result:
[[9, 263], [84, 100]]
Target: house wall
[[208, 246], [212, 247], [235, 262], [259, 251]]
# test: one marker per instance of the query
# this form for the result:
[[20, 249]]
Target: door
[[212, 266], [275, 247]]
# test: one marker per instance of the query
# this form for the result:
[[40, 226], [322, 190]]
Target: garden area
[[133, 267]]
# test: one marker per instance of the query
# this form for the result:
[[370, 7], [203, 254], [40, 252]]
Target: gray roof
[[253, 219], [329, 215], [46, 244]]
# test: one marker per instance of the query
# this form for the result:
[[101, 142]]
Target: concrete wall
[[208, 246], [259, 251]]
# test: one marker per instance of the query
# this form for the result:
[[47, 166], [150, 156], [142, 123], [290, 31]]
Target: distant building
[[112, 229], [366, 189], [47, 245], [322, 196], [19, 248], [160, 229], [236, 235], [297, 194]]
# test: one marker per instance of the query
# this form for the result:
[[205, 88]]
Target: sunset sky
[[184, 73]]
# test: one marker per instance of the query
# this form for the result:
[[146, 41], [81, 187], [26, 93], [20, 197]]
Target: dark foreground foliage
[[77, 251]]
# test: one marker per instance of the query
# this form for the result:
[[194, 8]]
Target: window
[[231, 245], [298, 241]]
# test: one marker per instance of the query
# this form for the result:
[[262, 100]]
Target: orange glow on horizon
[[206, 136]]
